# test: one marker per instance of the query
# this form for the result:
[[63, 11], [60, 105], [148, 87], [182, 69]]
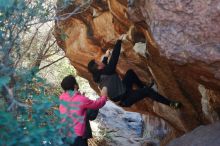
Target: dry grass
[[97, 142]]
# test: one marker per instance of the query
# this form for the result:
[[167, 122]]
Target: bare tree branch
[[78, 10], [29, 46], [41, 54], [48, 48], [14, 102], [51, 63], [46, 41], [17, 36], [49, 55]]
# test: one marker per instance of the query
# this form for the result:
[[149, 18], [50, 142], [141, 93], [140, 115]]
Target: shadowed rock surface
[[201, 136], [177, 43]]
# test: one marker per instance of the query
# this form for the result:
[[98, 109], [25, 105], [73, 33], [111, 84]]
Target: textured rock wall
[[175, 42], [201, 136]]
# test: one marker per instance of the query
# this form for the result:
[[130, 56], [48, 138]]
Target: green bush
[[28, 114]]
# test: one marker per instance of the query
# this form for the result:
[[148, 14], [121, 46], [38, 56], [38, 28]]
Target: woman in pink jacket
[[73, 107]]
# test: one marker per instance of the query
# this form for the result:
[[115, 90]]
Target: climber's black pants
[[130, 79], [131, 96]]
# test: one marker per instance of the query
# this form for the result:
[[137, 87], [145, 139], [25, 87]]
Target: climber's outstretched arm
[[111, 66]]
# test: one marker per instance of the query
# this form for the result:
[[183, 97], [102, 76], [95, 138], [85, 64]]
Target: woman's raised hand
[[104, 91], [108, 53], [123, 37]]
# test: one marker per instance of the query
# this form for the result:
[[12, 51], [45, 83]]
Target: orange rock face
[[175, 43]]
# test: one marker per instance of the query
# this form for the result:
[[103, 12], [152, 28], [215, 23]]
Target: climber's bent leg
[[132, 97], [157, 97], [139, 94], [131, 78]]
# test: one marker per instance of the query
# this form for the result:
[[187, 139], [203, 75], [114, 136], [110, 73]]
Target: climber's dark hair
[[68, 83], [93, 68]]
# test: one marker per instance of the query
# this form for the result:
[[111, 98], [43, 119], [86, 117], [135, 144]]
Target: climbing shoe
[[175, 104]]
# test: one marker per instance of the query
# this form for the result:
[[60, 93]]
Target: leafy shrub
[[29, 115]]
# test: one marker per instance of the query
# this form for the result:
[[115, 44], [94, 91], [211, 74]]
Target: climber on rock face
[[104, 73]]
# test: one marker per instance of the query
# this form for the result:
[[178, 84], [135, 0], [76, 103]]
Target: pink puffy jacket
[[81, 103]]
